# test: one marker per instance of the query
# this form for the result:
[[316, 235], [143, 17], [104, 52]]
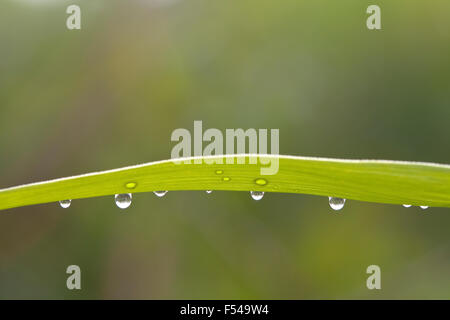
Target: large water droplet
[[424, 207], [160, 193], [65, 203], [406, 205], [219, 171], [336, 203], [257, 195], [261, 181], [123, 200], [208, 191], [131, 185]]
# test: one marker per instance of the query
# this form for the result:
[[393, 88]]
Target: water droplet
[[424, 207], [65, 203], [406, 205], [208, 191], [160, 193], [131, 185], [257, 195], [123, 200], [261, 181], [219, 171], [226, 178], [336, 203]]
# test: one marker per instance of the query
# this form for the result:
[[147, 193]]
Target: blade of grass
[[380, 181]]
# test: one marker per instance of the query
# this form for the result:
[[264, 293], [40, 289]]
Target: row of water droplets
[[123, 200]]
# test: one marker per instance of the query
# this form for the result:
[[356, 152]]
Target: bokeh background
[[111, 94]]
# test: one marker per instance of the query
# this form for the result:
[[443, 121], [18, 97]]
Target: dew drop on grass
[[65, 203], [219, 171], [160, 193], [208, 191], [131, 185], [257, 195], [261, 181], [424, 207], [406, 205], [226, 179], [123, 200], [336, 203]]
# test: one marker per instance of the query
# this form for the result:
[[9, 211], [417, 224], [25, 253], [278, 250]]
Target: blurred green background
[[110, 95]]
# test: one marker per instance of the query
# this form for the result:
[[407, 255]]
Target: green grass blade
[[380, 181]]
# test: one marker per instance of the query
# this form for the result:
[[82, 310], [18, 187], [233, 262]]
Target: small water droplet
[[131, 185], [261, 181], [219, 171], [65, 203], [257, 195], [406, 205], [336, 203], [208, 191], [123, 200], [424, 207], [160, 193], [226, 178]]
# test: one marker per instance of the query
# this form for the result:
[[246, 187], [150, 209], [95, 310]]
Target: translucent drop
[[160, 193], [424, 207], [208, 191], [257, 195], [226, 178], [123, 200], [131, 185], [65, 203], [406, 205], [336, 203], [261, 181], [219, 171]]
